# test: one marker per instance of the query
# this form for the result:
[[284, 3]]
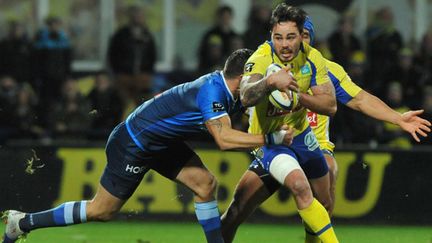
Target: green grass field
[[144, 232]]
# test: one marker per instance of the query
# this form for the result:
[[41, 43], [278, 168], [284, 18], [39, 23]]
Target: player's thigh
[[331, 163], [126, 164]]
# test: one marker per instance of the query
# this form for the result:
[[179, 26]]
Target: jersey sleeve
[[345, 88], [319, 68], [211, 101], [258, 62]]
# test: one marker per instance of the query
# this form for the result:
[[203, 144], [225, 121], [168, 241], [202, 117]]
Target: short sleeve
[[345, 88], [319, 68], [259, 61], [212, 101]]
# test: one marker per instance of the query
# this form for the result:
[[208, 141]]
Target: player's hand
[[289, 135], [413, 124], [284, 81], [283, 136]]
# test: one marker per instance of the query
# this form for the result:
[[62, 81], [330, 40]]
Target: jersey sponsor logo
[[248, 67], [312, 119], [217, 106], [274, 111], [305, 69], [310, 141], [135, 169]]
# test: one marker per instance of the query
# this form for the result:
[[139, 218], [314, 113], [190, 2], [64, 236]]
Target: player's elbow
[[332, 110], [223, 145], [246, 102]]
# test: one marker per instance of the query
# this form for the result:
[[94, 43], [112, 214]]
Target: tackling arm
[[228, 138], [323, 100], [374, 107]]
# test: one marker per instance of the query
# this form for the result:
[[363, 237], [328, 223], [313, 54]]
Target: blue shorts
[[127, 163], [305, 149]]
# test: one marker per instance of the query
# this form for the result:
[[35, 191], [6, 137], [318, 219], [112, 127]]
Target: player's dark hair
[[234, 65], [285, 13]]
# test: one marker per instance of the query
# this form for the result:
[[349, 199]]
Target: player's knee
[[301, 188], [206, 188]]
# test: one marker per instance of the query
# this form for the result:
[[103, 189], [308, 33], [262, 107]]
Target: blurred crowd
[[40, 97]]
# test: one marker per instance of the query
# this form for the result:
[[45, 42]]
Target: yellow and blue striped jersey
[[345, 90], [308, 68]]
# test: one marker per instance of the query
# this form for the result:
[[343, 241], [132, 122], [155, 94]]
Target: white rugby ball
[[277, 98]]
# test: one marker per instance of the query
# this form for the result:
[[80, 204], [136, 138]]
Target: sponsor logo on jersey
[[217, 106], [135, 169], [310, 141], [274, 111], [305, 69], [248, 67], [312, 119]]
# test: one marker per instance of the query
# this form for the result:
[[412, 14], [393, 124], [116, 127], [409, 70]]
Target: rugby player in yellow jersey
[[302, 162], [351, 95], [247, 198]]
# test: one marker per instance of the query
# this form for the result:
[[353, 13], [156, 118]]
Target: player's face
[[306, 36], [286, 40]]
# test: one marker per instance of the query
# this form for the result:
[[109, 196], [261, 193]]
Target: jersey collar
[[226, 86]]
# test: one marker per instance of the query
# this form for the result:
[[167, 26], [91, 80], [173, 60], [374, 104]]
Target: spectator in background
[[357, 69], [343, 43], [26, 115], [70, 115], [258, 30], [15, 51], [214, 55], [389, 133], [384, 44], [106, 106], [424, 58], [132, 56], [409, 76], [9, 90], [427, 106], [219, 36], [52, 63]]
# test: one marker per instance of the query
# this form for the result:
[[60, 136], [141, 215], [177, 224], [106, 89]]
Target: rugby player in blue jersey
[[152, 137]]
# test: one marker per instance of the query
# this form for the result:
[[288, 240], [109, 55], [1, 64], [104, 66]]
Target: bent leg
[[196, 177], [250, 192], [333, 172], [103, 206], [285, 167]]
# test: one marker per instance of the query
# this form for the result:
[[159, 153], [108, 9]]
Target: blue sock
[[65, 214], [208, 216]]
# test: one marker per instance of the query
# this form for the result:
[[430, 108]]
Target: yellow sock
[[317, 218], [310, 237]]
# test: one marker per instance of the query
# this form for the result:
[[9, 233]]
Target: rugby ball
[[280, 99]]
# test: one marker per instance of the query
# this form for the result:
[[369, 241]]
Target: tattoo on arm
[[253, 89], [326, 88], [216, 123]]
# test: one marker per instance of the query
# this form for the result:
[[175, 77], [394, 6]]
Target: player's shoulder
[[311, 53], [335, 70], [334, 67], [260, 59]]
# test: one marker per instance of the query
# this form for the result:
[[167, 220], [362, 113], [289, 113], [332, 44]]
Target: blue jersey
[[180, 112]]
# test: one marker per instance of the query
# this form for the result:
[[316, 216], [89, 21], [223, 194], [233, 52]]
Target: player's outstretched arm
[[374, 107], [256, 86], [228, 138], [323, 100]]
